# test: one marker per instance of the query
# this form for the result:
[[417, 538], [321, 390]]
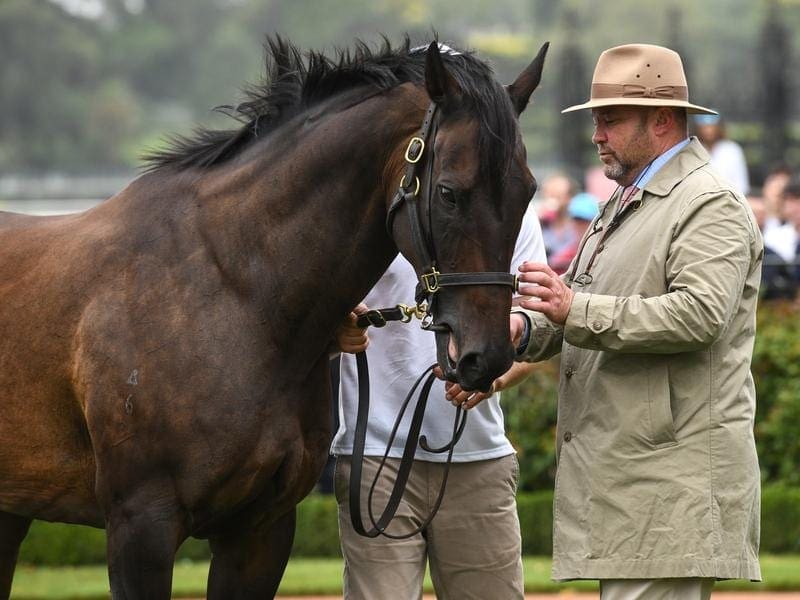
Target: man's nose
[[598, 135]]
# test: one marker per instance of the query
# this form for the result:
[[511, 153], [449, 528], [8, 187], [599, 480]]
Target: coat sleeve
[[710, 256], [545, 340]]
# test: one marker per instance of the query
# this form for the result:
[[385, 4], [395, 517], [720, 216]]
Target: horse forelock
[[295, 82]]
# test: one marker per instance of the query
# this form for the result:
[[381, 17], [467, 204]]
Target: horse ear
[[441, 86], [521, 90]]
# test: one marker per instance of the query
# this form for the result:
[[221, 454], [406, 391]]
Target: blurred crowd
[[566, 209]]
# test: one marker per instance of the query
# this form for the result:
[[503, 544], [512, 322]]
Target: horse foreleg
[[143, 535], [250, 564], [13, 529]]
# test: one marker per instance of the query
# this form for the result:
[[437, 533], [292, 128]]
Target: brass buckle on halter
[[420, 148], [416, 183], [409, 312], [426, 278]]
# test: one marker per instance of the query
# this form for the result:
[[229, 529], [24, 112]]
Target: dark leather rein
[[431, 281]]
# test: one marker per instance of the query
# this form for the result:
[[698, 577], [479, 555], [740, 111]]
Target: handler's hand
[[350, 337], [458, 396], [517, 373], [552, 297]]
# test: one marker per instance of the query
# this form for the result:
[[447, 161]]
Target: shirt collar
[[653, 168]]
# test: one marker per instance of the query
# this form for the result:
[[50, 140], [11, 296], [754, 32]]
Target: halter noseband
[[431, 280]]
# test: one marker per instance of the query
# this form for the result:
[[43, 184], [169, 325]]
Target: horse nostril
[[473, 372]]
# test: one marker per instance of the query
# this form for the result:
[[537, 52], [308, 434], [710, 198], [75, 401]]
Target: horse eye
[[447, 194]]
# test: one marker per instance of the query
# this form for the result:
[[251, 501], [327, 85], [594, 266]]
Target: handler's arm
[[708, 263]]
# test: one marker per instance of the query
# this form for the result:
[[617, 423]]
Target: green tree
[[571, 131], [48, 72], [776, 76]]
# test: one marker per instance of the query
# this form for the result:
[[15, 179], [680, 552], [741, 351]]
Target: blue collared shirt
[[653, 168]]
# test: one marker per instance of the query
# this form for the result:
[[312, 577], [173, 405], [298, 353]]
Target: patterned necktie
[[628, 193]]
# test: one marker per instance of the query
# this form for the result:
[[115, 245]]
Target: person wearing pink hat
[[657, 489]]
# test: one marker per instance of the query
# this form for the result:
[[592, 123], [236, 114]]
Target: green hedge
[[317, 531]]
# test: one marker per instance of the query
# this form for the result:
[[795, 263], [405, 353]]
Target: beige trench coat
[[657, 468]]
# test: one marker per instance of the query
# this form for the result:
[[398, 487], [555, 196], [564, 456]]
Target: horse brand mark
[[134, 377], [129, 405]]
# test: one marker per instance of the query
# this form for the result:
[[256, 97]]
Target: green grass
[[323, 576]]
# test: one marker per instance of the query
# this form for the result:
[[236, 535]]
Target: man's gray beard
[[614, 171]]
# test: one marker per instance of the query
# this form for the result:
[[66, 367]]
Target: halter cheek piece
[[431, 281]]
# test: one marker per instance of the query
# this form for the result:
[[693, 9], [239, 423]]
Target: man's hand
[[517, 323], [551, 297], [350, 337], [517, 373]]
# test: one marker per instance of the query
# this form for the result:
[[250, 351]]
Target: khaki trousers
[[656, 589], [473, 545]]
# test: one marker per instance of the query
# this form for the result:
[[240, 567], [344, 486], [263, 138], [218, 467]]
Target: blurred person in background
[[772, 192], [557, 191], [777, 280], [759, 209], [782, 247], [727, 156], [582, 210]]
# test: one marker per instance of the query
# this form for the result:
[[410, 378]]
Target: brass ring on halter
[[418, 155], [403, 184]]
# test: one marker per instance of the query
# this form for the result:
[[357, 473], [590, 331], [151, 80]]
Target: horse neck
[[309, 239]]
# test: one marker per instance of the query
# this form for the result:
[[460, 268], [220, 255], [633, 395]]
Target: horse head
[[464, 192]]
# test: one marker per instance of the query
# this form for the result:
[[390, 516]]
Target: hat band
[[634, 90]]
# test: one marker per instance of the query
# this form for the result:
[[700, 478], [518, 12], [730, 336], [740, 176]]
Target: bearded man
[[657, 490]]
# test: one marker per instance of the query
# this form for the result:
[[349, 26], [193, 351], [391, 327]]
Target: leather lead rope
[[406, 462]]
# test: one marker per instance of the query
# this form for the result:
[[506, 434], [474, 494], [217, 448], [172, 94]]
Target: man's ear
[[520, 91], [664, 120], [442, 88]]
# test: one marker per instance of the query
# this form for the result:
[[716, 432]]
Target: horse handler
[[473, 546], [657, 491]]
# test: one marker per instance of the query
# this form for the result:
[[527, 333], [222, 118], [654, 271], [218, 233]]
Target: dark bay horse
[[164, 356]]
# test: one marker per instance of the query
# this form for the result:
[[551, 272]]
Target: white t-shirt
[[783, 241], [398, 353], [727, 159]]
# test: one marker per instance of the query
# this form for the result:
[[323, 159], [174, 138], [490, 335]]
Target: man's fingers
[[540, 306], [538, 291], [452, 391], [530, 267], [540, 278], [476, 399]]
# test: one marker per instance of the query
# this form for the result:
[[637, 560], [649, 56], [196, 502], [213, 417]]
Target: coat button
[[569, 372], [597, 325], [600, 248], [567, 436]]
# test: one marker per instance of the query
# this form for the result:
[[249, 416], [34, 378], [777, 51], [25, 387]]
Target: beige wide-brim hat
[[640, 75]]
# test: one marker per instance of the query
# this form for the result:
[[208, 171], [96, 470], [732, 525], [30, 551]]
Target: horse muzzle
[[472, 370]]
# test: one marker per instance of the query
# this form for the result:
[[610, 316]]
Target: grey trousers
[[473, 545], [656, 589]]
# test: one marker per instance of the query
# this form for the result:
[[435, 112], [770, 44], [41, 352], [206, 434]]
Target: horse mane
[[293, 84]]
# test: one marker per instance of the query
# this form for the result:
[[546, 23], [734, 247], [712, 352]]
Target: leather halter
[[431, 281]]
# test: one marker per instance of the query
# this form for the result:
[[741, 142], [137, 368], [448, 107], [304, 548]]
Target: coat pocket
[[662, 428]]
